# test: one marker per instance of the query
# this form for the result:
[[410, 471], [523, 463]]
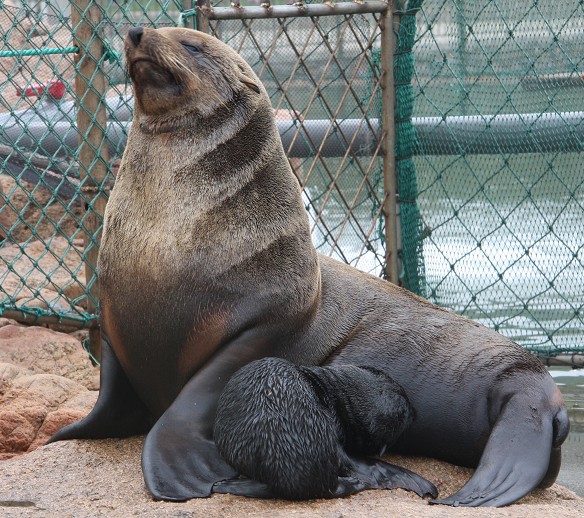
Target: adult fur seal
[[302, 432], [206, 264]]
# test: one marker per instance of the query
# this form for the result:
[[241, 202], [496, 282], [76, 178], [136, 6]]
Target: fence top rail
[[290, 11]]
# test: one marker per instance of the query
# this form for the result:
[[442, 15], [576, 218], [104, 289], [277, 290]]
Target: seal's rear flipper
[[561, 426], [516, 457], [376, 474], [118, 411], [553, 469]]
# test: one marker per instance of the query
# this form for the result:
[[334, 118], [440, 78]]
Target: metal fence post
[[388, 43], [203, 10], [93, 156]]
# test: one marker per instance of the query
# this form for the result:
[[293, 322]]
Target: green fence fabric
[[499, 110], [412, 256]]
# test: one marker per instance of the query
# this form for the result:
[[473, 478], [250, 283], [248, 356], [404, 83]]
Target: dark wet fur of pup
[[311, 432]]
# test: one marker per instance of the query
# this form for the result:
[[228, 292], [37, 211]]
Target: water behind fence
[[489, 195]]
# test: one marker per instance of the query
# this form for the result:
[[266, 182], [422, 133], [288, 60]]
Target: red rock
[[34, 406], [18, 429], [53, 422], [41, 350]]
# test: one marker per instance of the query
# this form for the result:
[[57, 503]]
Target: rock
[[18, 429], [53, 422], [44, 380], [7, 374], [79, 334], [43, 351], [34, 406], [9, 322]]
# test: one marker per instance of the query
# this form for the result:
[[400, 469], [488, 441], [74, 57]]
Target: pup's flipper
[[516, 457], [253, 489], [358, 474], [376, 474], [118, 411], [243, 487]]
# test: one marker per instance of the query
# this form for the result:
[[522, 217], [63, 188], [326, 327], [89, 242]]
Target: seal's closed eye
[[192, 49]]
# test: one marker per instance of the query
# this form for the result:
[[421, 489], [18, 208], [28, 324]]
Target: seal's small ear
[[249, 83]]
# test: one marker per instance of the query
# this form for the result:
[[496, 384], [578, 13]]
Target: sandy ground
[[103, 478]]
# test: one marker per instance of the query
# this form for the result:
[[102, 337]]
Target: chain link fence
[[324, 83], [42, 209], [65, 106], [479, 212]]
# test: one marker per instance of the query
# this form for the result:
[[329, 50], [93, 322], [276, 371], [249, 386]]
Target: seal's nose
[[135, 34]]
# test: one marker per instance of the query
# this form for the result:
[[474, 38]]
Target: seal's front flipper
[[180, 460], [118, 412], [179, 463], [376, 474], [515, 459]]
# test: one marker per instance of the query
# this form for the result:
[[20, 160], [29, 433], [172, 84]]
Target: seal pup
[[206, 264], [302, 432]]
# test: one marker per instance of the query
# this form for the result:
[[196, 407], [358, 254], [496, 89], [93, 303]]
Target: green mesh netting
[[498, 111], [412, 258]]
